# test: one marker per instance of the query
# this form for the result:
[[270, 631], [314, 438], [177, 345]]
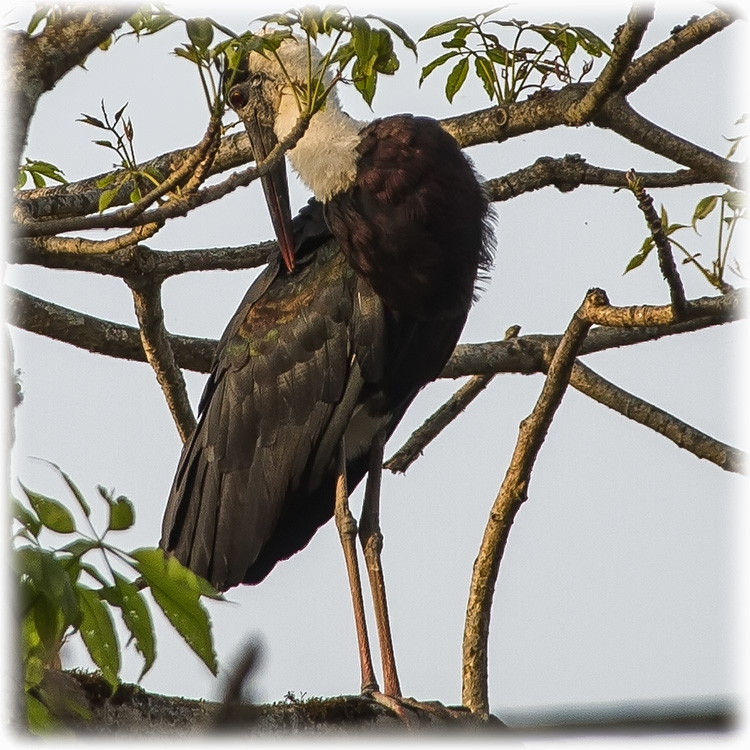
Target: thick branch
[[512, 494], [519, 355], [37, 63], [627, 40], [680, 433], [98, 336]]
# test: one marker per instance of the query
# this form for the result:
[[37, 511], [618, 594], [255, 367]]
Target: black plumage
[[304, 353]]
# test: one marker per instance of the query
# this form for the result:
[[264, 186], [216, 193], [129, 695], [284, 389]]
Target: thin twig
[[663, 247], [196, 163], [412, 449], [680, 433], [512, 494]]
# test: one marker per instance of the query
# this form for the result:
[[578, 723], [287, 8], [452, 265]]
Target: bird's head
[[268, 95]]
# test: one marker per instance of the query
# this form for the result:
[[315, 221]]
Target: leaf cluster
[[39, 172], [129, 177], [507, 70], [62, 592]]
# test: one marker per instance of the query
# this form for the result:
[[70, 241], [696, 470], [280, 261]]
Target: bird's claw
[[414, 713]]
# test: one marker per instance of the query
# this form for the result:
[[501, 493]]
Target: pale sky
[[620, 576]]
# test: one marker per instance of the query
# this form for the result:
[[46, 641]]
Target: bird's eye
[[237, 98]]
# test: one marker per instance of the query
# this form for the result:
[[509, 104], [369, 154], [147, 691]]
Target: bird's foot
[[415, 714]]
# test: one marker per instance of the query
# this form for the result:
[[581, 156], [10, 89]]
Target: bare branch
[[682, 40], [78, 246], [627, 40], [512, 494], [141, 259], [572, 171], [656, 315], [98, 336], [664, 249], [680, 433], [412, 449], [159, 354], [524, 355], [617, 115]]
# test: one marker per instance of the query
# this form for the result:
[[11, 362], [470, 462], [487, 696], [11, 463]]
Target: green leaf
[[635, 261], [456, 78], [444, 27], [177, 591], [106, 197], [26, 518], [499, 55], [37, 18], [137, 619], [590, 42], [704, 208], [407, 41], [200, 32], [73, 488], [436, 63], [121, 514], [98, 634], [52, 514], [38, 718], [93, 121], [735, 199], [483, 69]]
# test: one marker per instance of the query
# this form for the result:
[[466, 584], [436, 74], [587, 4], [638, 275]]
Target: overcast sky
[[619, 578]]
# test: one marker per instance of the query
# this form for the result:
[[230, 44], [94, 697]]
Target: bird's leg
[[347, 528], [372, 543]]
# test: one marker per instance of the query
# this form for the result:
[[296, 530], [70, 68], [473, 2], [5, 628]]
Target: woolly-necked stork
[[360, 309]]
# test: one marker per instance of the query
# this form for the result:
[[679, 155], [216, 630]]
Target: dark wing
[[283, 386]]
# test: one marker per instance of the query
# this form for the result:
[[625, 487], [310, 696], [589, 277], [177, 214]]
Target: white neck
[[325, 157]]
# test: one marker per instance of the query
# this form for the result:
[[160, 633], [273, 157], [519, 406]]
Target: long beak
[[275, 187]]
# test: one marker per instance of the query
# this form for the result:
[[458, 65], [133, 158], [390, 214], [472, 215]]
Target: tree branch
[[627, 40], [617, 115], [680, 433], [141, 259], [572, 171], [513, 492], [663, 248], [683, 39], [159, 354], [37, 63], [192, 169], [519, 355]]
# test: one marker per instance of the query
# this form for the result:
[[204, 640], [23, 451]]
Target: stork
[[360, 308]]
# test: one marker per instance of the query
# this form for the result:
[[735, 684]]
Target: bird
[[359, 308]]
